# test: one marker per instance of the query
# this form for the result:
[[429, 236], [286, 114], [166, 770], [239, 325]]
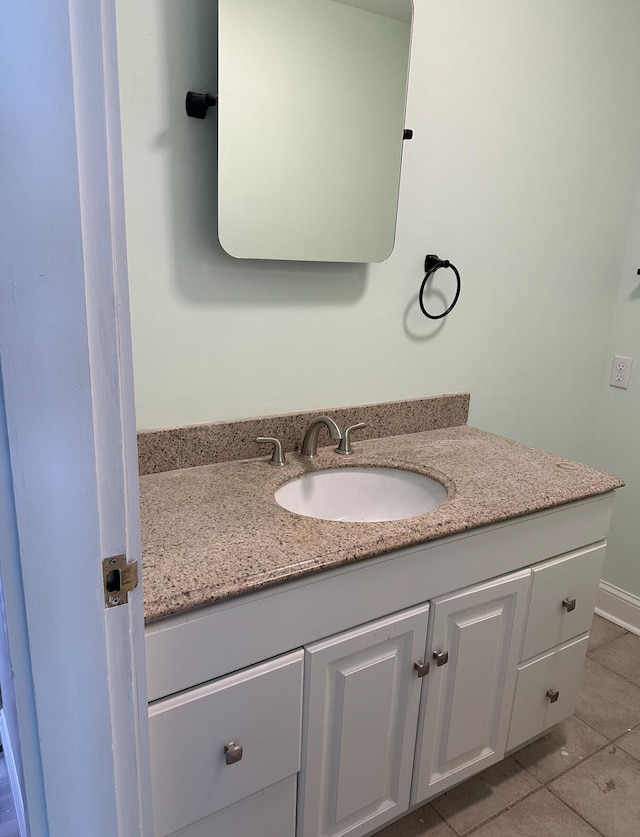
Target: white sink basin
[[361, 494]]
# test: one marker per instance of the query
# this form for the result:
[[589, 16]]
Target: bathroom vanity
[[342, 673]]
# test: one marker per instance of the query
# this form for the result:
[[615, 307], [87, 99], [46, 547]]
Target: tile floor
[[583, 778]]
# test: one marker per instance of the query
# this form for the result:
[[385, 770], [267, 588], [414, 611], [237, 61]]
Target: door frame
[[68, 459]]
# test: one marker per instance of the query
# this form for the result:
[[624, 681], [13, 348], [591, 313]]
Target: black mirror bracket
[[197, 104]]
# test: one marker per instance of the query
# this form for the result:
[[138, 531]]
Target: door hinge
[[119, 578]]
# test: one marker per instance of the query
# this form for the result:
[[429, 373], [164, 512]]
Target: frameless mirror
[[311, 105]]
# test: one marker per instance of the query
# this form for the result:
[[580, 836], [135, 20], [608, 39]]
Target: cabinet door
[[362, 697], [469, 692]]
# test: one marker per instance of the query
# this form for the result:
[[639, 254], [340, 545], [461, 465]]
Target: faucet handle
[[277, 457], [345, 443]]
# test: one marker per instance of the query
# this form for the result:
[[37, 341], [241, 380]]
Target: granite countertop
[[213, 532]]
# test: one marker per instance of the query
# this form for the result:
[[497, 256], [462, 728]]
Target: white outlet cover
[[620, 372]]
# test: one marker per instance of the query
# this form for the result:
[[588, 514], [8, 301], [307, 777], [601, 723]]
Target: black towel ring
[[431, 264]]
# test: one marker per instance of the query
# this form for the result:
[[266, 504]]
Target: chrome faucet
[[310, 442]]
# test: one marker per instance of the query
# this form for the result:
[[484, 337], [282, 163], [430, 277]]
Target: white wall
[[521, 171]]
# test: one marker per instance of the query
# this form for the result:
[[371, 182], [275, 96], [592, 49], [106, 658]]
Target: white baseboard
[[16, 791], [619, 607]]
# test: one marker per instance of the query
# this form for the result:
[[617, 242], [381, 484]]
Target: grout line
[[444, 820], [571, 767], [541, 785], [577, 813], [606, 642], [613, 742], [522, 799], [604, 665], [503, 810]]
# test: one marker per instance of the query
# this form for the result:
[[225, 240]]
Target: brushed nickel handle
[[553, 695], [233, 752], [345, 443], [277, 457], [569, 604], [441, 657], [421, 668]]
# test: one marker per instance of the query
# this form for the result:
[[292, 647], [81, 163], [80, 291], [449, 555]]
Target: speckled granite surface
[[205, 444], [214, 532]]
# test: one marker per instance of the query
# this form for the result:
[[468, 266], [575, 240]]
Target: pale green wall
[[618, 445], [521, 171]]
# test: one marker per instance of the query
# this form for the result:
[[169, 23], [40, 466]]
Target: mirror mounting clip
[[197, 104]]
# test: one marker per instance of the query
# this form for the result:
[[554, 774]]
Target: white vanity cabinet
[[344, 729]]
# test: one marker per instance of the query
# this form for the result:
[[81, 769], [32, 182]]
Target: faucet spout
[[310, 442]]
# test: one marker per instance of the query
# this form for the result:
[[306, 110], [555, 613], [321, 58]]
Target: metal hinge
[[118, 578]]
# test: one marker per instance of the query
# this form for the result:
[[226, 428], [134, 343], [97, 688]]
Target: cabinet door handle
[[233, 752], [441, 657], [569, 604], [553, 695], [421, 668]]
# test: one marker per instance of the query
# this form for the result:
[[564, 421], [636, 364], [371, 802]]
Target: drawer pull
[[233, 752], [421, 668], [553, 695], [441, 657], [569, 604]]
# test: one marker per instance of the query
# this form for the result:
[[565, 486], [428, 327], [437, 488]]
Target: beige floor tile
[[603, 631], [605, 790], [421, 823], [564, 746], [484, 795], [630, 743], [537, 815], [608, 703], [621, 655]]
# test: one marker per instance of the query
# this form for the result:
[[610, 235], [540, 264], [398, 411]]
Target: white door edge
[[93, 33], [67, 455]]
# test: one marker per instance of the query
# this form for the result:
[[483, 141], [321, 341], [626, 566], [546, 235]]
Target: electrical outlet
[[620, 372]]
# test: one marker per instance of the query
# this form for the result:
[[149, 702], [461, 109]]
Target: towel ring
[[431, 264]]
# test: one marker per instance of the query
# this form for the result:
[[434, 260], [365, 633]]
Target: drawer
[[572, 577], [268, 813], [260, 709], [559, 671]]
